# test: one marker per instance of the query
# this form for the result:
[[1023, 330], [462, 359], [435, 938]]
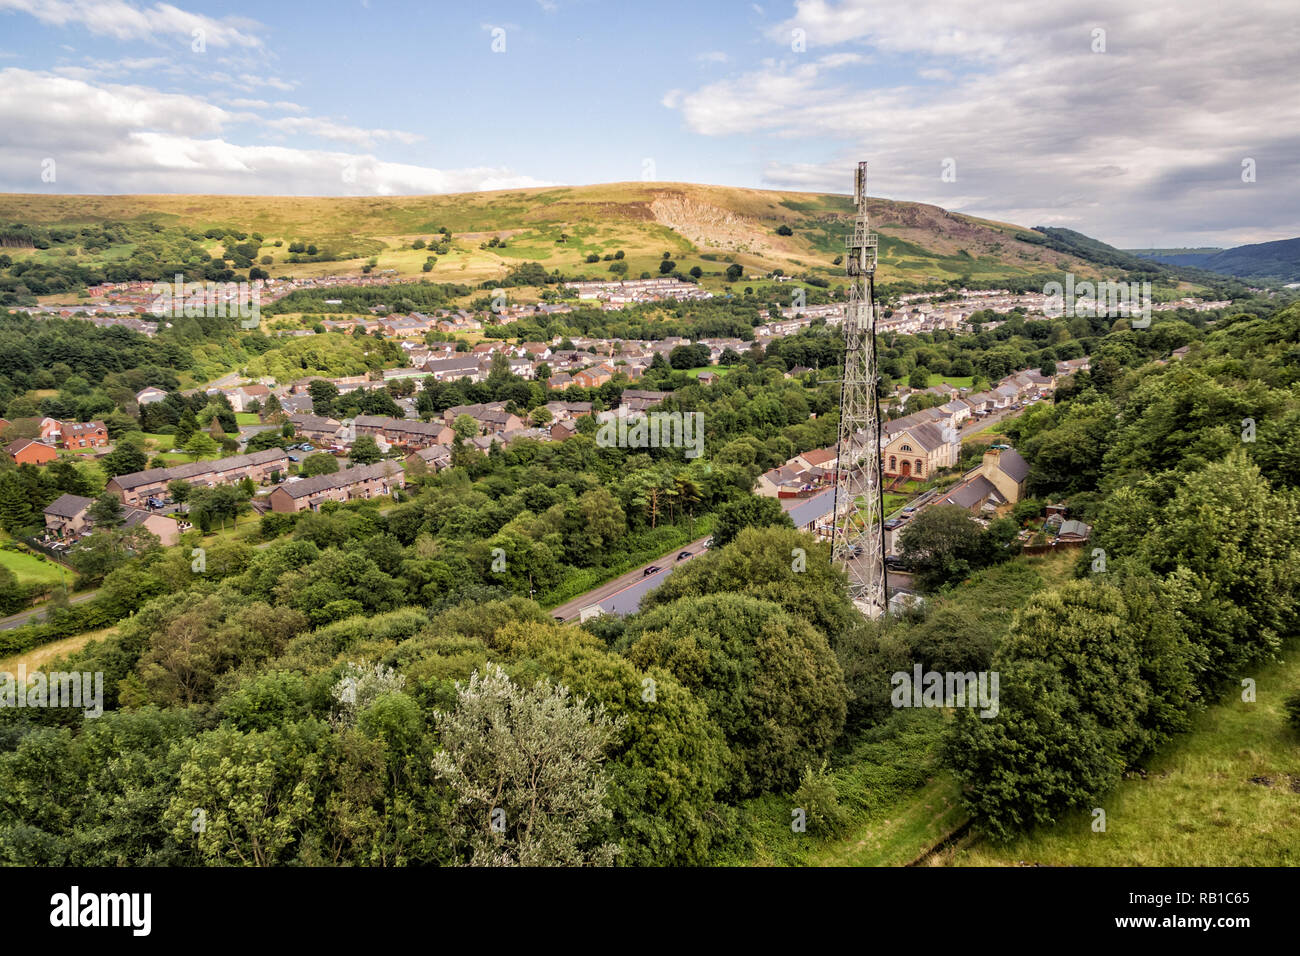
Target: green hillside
[[706, 226]]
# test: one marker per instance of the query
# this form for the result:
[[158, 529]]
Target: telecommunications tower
[[858, 539]]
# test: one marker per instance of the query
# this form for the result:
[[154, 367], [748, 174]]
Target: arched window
[[893, 463], [920, 467], [907, 448]]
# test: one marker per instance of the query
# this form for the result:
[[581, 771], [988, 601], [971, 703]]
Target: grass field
[[894, 502], [561, 227], [719, 370], [956, 381], [32, 569], [1227, 794], [247, 418], [39, 657]]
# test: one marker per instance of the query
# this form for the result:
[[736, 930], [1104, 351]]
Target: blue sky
[[1137, 138]]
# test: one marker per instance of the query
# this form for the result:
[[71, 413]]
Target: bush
[[818, 799], [1292, 707]]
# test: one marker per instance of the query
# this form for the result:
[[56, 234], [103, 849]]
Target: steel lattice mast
[[858, 542]]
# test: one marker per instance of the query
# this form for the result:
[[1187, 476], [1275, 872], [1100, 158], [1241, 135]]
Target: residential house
[[635, 401], [66, 517], [74, 434], [823, 458], [452, 369], [315, 428], [25, 451], [1007, 470], [435, 457], [363, 481], [403, 433], [135, 488], [492, 417], [149, 395], [167, 529], [594, 377]]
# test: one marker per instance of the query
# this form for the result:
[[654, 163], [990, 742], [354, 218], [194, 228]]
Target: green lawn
[[720, 370], [32, 569], [1227, 794], [956, 381], [894, 502], [247, 418]]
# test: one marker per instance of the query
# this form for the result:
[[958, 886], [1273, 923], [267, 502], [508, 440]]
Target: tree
[[669, 766], [201, 445], [126, 458], [734, 272], [323, 396], [108, 548], [524, 769], [365, 450], [465, 426], [1069, 709], [772, 563], [920, 377], [747, 511], [179, 491], [319, 464], [257, 791], [696, 271], [784, 230], [106, 512], [666, 266], [942, 544], [769, 678]]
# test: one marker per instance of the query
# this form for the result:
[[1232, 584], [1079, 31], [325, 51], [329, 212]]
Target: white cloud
[[124, 21], [133, 139], [1145, 137]]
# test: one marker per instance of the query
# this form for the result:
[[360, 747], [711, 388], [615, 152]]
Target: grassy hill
[[1226, 794], [708, 226]]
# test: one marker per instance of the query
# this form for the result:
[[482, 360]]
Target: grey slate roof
[[68, 506]]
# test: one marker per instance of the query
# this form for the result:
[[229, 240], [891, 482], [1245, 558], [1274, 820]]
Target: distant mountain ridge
[[1279, 259]]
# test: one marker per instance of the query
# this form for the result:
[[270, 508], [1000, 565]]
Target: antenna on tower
[[858, 538]]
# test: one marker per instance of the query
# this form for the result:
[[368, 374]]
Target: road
[[623, 595], [22, 617]]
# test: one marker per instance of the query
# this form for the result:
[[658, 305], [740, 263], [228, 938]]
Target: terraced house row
[[363, 481], [137, 487]]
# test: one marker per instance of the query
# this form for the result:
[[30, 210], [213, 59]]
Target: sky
[[1163, 123]]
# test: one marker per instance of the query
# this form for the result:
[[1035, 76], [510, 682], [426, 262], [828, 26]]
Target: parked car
[[653, 569], [683, 555]]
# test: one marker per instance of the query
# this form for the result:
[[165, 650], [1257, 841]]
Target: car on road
[[683, 555], [653, 569], [708, 542], [559, 618]]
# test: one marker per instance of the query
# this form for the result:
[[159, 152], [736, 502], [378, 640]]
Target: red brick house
[[25, 451], [594, 377], [74, 434]]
